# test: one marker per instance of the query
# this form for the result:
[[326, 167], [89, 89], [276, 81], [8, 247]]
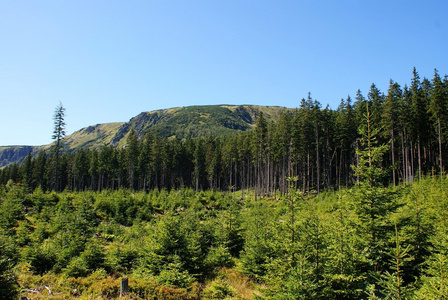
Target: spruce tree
[[438, 109], [390, 120], [420, 119], [259, 148], [27, 170], [132, 151], [144, 160], [58, 135], [373, 201]]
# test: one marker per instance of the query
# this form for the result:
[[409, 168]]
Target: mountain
[[180, 122], [11, 154]]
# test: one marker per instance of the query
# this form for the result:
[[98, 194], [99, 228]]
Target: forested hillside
[[317, 145], [317, 204], [174, 123]]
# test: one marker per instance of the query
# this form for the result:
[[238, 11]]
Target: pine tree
[[58, 135], [106, 167], [259, 150], [93, 172], [144, 160], [28, 172], [420, 118], [199, 164], [8, 284], [281, 148], [393, 284], [40, 170], [345, 135], [438, 109], [306, 139], [376, 101], [406, 120], [373, 201], [132, 150], [390, 119], [317, 120]]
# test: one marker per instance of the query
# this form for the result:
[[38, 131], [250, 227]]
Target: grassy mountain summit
[[180, 122]]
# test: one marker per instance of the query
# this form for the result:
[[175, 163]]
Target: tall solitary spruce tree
[[58, 135]]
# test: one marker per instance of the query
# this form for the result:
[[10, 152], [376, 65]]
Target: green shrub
[[91, 258], [219, 257], [8, 285], [218, 289]]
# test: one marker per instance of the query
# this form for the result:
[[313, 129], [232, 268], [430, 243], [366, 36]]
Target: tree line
[[314, 144]]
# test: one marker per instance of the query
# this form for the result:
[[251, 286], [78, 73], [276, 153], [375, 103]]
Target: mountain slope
[[10, 154], [180, 122]]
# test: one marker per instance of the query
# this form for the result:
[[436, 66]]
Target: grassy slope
[[93, 136], [187, 122]]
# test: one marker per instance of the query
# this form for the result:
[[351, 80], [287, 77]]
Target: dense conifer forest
[[323, 204], [317, 145]]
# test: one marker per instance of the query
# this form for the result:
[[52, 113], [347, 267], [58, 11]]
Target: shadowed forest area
[[323, 204]]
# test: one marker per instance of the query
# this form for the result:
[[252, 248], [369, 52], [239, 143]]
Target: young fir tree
[[8, 285], [373, 201], [392, 283]]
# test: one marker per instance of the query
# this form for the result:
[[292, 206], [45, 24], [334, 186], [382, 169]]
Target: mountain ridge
[[177, 122]]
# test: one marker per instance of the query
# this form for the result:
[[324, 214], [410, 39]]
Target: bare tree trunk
[[357, 163], [419, 158], [403, 147], [411, 167], [317, 161], [304, 174], [308, 174], [440, 147], [393, 156]]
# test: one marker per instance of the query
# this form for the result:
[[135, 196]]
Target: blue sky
[[107, 61]]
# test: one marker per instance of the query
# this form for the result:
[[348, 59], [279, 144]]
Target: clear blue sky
[[107, 61]]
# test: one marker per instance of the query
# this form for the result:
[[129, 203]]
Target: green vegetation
[[316, 204], [92, 137], [180, 244]]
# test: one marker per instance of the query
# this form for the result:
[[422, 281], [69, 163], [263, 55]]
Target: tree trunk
[[440, 147], [393, 156], [419, 158], [317, 161]]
